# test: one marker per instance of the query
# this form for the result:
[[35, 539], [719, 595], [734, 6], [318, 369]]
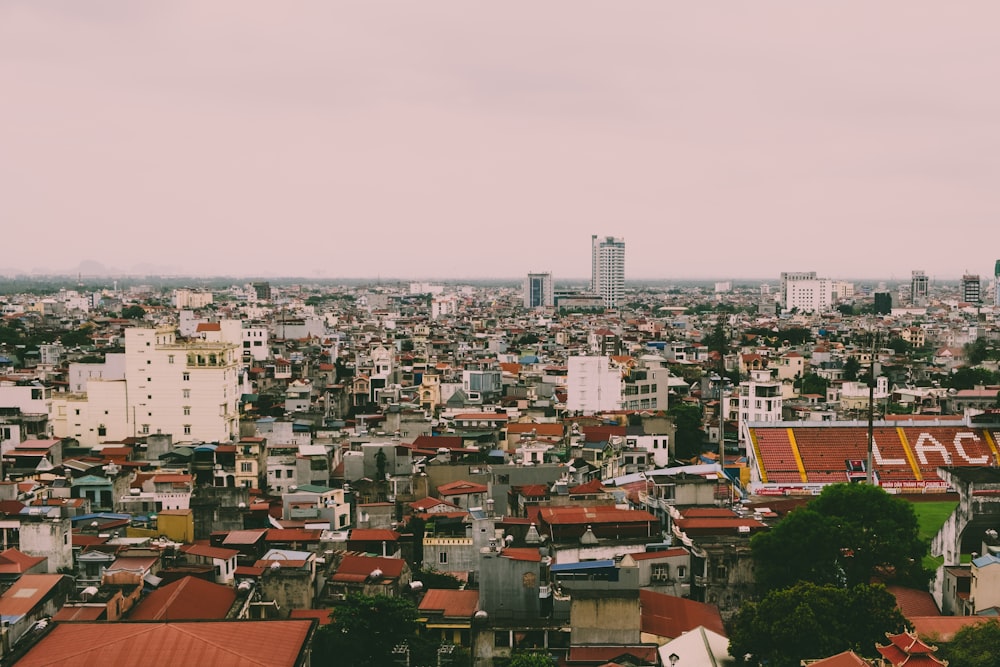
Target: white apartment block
[[760, 399], [187, 389], [187, 298], [607, 278], [592, 385], [807, 293], [113, 368]]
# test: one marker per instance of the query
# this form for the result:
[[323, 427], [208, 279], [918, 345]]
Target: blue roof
[[206, 448], [986, 559], [585, 565]]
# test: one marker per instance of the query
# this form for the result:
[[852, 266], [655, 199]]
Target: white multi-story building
[[592, 385], [607, 277], [187, 389], [760, 399], [807, 293], [538, 291], [187, 298]]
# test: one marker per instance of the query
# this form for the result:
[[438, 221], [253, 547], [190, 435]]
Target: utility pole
[[869, 473]]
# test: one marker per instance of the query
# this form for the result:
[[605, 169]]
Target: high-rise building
[[538, 291], [607, 271], [971, 292], [996, 284], [883, 303], [918, 287]]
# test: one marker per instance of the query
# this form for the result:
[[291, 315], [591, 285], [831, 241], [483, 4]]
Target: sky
[[457, 139]]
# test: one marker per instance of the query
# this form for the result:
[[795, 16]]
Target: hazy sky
[[486, 139]]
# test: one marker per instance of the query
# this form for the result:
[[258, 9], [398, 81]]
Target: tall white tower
[[607, 277]]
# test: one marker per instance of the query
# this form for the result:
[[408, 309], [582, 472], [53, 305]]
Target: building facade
[[538, 291], [608, 269]]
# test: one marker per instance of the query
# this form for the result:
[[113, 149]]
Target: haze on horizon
[[459, 140]]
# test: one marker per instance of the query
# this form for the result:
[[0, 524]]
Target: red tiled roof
[[353, 566], [244, 537], [293, 535], [914, 602], [845, 659], [943, 628], [670, 616], [450, 603], [373, 535], [606, 654], [27, 592], [593, 486], [210, 552], [461, 487], [526, 554], [216, 643], [79, 613], [186, 599], [13, 561], [435, 442], [599, 514]]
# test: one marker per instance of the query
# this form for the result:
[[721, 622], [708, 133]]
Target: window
[[187, 409], [443, 558], [102, 430], [149, 361], [186, 377], [681, 571], [246, 466], [145, 428], [187, 393], [170, 358], [187, 429]]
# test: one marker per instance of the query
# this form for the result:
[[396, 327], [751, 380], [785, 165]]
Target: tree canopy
[[850, 534], [689, 437], [810, 621], [365, 630], [974, 646]]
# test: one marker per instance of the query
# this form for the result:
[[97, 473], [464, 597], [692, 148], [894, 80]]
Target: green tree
[[813, 384], [364, 631], [77, 337], [717, 341], [899, 346], [689, 437], [531, 659], [974, 646], [133, 312], [850, 534], [813, 538], [851, 369], [968, 377], [976, 352], [810, 621]]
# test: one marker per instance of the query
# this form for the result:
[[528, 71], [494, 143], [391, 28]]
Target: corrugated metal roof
[[186, 599], [216, 643]]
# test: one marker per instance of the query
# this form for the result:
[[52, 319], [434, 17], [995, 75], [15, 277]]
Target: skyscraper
[[996, 284], [607, 271], [538, 292], [918, 287], [971, 289]]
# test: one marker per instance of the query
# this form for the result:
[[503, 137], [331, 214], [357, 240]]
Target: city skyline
[[457, 142]]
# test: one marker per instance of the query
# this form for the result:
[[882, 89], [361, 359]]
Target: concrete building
[[807, 293], [538, 291], [593, 385], [971, 289], [918, 287], [607, 277]]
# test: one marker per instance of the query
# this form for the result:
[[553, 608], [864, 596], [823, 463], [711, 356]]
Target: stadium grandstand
[[789, 458]]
